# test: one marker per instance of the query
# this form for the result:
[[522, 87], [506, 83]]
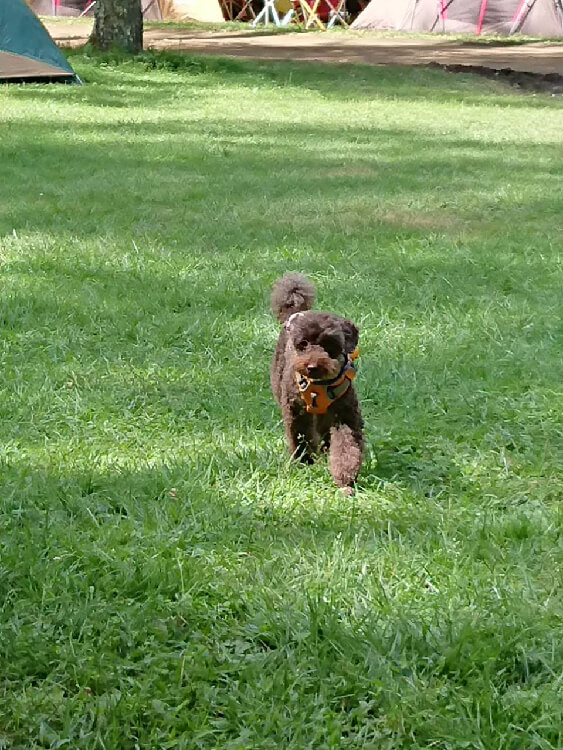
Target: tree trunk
[[118, 23]]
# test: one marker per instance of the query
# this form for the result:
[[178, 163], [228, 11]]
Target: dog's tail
[[291, 294]]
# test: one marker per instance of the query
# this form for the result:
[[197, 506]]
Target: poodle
[[312, 375]]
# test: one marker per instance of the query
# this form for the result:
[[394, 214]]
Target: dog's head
[[322, 344]]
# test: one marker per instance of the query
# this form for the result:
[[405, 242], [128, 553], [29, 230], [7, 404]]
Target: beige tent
[[531, 17], [208, 11]]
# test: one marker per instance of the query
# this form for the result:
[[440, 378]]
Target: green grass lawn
[[168, 577]]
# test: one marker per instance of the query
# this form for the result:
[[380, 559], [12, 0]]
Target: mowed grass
[[168, 577]]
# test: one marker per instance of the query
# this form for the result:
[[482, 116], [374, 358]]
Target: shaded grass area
[[168, 578]]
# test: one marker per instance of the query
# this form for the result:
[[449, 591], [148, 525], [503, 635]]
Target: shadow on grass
[[324, 183], [382, 82]]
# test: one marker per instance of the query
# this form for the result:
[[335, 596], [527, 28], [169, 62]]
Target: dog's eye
[[302, 345], [331, 347]]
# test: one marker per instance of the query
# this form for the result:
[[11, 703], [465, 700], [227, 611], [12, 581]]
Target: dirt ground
[[343, 47]]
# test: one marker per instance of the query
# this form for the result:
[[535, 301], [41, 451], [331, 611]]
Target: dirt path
[[350, 47]]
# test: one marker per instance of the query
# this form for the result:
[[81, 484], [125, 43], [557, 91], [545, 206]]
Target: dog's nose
[[311, 368]]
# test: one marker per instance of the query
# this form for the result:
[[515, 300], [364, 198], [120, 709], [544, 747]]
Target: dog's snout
[[311, 368]]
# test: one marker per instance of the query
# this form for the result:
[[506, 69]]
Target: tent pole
[[149, 5], [415, 3], [516, 18], [89, 5], [443, 13], [443, 9], [520, 16], [481, 16], [413, 12]]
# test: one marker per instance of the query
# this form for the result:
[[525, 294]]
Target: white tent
[[208, 11], [531, 17]]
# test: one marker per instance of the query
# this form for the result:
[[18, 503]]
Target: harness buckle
[[318, 396]]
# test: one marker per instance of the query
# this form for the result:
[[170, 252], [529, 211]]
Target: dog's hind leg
[[346, 453]]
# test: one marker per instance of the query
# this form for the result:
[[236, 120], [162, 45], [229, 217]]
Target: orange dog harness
[[319, 395]]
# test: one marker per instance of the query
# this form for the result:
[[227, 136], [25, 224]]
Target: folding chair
[[246, 10], [310, 13], [337, 13], [317, 13], [269, 10], [227, 6], [292, 15]]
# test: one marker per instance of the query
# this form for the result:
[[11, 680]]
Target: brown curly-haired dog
[[311, 376]]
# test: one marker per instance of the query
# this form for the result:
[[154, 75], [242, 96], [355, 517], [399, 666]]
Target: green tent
[[27, 52]]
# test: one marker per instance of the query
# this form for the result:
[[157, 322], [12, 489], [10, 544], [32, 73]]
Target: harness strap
[[319, 395]]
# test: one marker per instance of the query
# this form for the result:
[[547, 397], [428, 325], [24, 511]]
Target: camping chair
[[227, 6], [337, 13], [237, 10], [245, 12], [308, 12], [324, 14], [269, 10]]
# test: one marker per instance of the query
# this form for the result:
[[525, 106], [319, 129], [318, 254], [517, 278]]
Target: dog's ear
[[351, 335]]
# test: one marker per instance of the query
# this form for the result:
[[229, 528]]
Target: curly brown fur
[[290, 294], [317, 345]]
